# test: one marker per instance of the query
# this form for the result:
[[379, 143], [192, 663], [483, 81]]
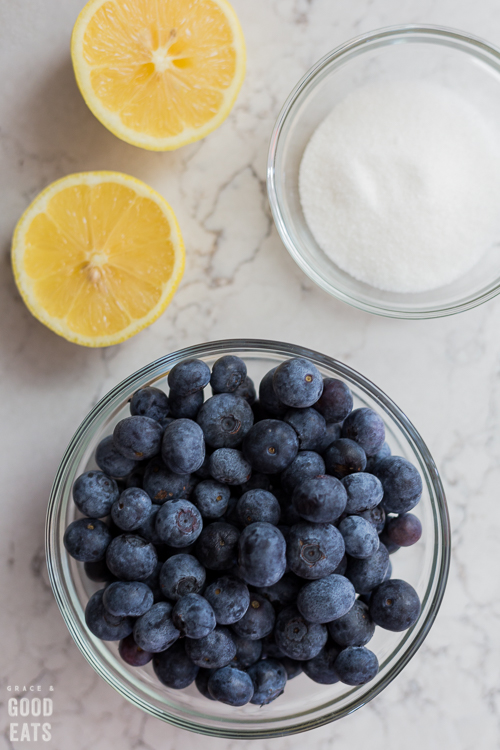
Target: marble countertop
[[239, 281]]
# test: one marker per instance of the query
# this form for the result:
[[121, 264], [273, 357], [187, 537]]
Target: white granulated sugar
[[400, 186]]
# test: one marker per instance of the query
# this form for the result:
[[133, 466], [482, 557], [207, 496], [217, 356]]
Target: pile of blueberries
[[246, 540]]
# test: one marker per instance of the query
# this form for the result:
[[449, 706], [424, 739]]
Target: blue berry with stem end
[[228, 374], [180, 575], [298, 383], [131, 509]]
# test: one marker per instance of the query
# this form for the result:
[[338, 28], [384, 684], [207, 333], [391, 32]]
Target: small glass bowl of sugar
[[384, 172]]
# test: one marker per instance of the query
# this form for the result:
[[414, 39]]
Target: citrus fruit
[[159, 73], [97, 257]]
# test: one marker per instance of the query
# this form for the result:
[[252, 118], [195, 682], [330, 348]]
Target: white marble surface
[[239, 281]]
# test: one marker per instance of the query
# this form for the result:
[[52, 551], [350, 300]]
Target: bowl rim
[[445, 35], [58, 572]]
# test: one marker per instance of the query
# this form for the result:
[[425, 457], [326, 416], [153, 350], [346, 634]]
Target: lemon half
[[97, 257], [159, 73]]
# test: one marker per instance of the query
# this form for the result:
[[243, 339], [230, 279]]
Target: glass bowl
[[305, 704], [463, 63]]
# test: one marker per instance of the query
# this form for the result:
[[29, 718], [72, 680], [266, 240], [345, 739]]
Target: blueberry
[[247, 391], [178, 523], [268, 398], [364, 492], [218, 545], [269, 679], [201, 682], [186, 407], [401, 482], [174, 668], [283, 592], [335, 403], [343, 457], [321, 499], [404, 530], [150, 402], [211, 498], [360, 537], [162, 485], [137, 438], [309, 425], [98, 571], [214, 651], [229, 466], [258, 620], [247, 652], [87, 539], [231, 686], [292, 667], [225, 420], [188, 376], [133, 654], [104, 625], [128, 598], [94, 493], [298, 383], [326, 599], [314, 550], [183, 446], [229, 598], [305, 465], [321, 668], [180, 575], [154, 631], [366, 428], [131, 558], [111, 461], [394, 605], [193, 616], [333, 432], [366, 574], [376, 516], [270, 446], [258, 505], [356, 665], [261, 554], [147, 530], [228, 373], [298, 638], [379, 456], [131, 509], [355, 628]]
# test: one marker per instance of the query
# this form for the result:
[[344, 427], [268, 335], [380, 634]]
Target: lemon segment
[[159, 73], [97, 257]]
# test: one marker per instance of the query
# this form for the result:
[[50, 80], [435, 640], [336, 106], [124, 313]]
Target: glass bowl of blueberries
[[247, 539]]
